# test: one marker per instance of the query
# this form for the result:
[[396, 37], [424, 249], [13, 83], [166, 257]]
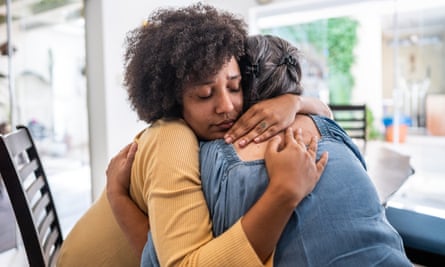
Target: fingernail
[[228, 139], [257, 140], [242, 142]]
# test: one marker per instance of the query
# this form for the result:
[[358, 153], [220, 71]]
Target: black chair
[[352, 118], [27, 186]]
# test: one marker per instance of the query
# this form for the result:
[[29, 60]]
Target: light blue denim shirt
[[341, 223]]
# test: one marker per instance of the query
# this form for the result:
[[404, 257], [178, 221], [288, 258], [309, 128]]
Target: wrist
[[297, 102], [300, 104], [282, 196], [118, 190]]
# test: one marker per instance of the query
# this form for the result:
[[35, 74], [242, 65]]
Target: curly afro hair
[[174, 47]]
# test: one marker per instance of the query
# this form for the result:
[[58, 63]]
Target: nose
[[224, 103]]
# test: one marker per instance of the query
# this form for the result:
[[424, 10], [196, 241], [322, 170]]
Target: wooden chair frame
[[28, 189], [352, 118]]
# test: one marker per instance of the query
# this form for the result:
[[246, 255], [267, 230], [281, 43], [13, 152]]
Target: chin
[[213, 136]]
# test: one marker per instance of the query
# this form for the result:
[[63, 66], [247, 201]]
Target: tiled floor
[[423, 191]]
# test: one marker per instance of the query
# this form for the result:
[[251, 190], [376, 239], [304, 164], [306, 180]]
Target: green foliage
[[334, 38], [341, 39], [45, 5], [371, 133]]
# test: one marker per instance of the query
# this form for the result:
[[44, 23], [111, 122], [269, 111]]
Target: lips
[[225, 125]]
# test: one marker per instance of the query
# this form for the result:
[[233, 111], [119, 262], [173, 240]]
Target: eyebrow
[[207, 82], [234, 76]]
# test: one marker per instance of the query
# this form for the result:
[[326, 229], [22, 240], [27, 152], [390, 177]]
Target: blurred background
[[61, 75]]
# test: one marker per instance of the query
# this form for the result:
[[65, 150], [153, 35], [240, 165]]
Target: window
[[46, 76]]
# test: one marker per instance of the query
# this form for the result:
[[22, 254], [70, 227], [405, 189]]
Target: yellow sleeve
[[168, 161]]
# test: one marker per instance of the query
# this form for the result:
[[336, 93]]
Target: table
[[415, 205]]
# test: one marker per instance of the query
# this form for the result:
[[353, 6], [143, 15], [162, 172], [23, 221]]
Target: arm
[[287, 188], [130, 218], [278, 113], [179, 217]]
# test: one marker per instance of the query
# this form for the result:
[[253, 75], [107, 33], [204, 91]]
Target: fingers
[[312, 147], [257, 133], [133, 147], [124, 157], [125, 149], [322, 162], [261, 132], [256, 124], [244, 125], [299, 139]]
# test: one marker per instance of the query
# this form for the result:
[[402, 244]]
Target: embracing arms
[[270, 116], [180, 217], [264, 214], [132, 221]]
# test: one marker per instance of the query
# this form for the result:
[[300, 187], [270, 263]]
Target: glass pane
[[398, 55], [49, 91], [328, 56]]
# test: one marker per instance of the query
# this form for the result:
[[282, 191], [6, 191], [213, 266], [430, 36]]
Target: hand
[[263, 120], [292, 168], [119, 170]]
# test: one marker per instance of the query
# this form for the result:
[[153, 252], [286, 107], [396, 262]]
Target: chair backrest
[[352, 118], [27, 186]]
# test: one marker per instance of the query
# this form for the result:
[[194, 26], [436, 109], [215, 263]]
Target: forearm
[[269, 117], [264, 223], [183, 235], [132, 221], [182, 230], [311, 105]]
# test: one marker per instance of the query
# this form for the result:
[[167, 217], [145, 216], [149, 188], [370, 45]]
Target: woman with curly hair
[[340, 223], [183, 79]]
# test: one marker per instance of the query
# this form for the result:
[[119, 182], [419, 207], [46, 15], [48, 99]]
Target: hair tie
[[253, 69], [288, 60]]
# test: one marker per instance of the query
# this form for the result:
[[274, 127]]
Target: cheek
[[238, 103], [195, 116]]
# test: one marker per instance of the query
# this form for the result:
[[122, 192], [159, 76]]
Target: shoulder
[[170, 126], [217, 154], [213, 146], [171, 131]]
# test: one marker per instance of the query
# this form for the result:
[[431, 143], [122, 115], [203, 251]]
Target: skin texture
[[213, 105]]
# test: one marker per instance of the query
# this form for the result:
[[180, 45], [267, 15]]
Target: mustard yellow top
[[96, 240], [165, 183]]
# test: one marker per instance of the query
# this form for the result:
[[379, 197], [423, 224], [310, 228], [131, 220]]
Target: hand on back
[[292, 168], [119, 170], [263, 120]]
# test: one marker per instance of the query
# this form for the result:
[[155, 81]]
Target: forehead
[[230, 69]]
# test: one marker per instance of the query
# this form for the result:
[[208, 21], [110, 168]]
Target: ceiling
[[35, 13], [426, 22]]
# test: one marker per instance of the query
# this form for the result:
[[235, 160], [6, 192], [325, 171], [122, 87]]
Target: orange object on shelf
[[403, 130]]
